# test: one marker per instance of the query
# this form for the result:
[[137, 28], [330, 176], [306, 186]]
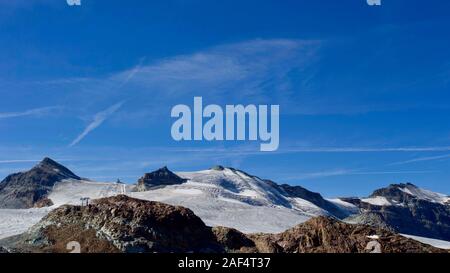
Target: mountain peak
[[25, 189], [404, 185], [164, 168], [158, 178], [218, 168], [48, 165], [47, 161]]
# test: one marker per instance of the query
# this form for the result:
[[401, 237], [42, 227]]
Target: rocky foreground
[[124, 224]]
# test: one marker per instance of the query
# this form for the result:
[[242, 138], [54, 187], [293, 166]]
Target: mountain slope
[[327, 235], [159, 178], [124, 224], [407, 209], [25, 189], [226, 196]]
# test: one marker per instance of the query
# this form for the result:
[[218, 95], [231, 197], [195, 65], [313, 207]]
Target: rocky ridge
[[124, 224]]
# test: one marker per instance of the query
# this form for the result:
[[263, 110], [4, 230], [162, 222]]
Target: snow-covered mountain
[[229, 197], [121, 224], [233, 198], [29, 189], [405, 208], [220, 196]]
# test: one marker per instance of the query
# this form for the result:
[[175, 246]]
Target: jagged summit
[[158, 178]]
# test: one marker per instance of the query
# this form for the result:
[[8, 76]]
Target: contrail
[[421, 159], [99, 118], [31, 112]]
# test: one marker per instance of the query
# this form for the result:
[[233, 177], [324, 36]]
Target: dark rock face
[[44, 202], [124, 224], [313, 197], [24, 190], [408, 213], [233, 240], [159, 178]]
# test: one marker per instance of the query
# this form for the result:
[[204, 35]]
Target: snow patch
[[425, 194], [377, 201], [429, 241]]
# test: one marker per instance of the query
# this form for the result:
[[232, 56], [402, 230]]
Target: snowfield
[[16, 221], [220, 198], [70, 191], [234, 199]]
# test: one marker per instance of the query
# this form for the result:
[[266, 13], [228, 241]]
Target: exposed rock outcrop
[[44, 202], [233, 240], [124, 224], [159, 178], [313, 197], [327, 235], [120, 224], [3, 250]]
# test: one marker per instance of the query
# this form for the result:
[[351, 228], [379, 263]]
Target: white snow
[[219, 197], [377, 201], [374, 237], [349, 207], [307, 207], [16, 221], [425, 194], [249, 193], [234, 199], [433, 242], [188, 191], [70, 191]]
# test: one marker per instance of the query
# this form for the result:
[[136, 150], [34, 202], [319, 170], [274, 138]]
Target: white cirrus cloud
[[29, 112]]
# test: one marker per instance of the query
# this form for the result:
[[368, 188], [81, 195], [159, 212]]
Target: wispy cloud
[[13, 161], [30, 112], [421, 159], [99, 118], [250, 149], [257, 71], [364, 149], [331, 173]]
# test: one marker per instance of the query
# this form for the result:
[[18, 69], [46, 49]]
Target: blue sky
[[363, 91]]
